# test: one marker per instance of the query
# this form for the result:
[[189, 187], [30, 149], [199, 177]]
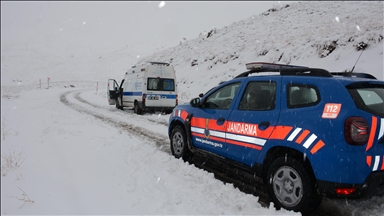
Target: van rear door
[[168, 97], [161, 87], [152, 98], [112, 91]]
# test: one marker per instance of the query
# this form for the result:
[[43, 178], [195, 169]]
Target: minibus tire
[[137, 109]]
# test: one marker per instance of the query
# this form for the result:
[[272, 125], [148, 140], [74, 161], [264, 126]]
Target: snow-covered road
[[82, 156]]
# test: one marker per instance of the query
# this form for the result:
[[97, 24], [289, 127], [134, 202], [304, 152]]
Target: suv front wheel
[[291, 186], [179, 146]]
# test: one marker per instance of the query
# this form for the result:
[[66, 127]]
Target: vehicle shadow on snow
[[254, 185]]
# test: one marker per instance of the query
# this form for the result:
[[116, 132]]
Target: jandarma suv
[[306, 131]]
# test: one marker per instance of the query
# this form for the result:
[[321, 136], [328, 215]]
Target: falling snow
[[82, 156]]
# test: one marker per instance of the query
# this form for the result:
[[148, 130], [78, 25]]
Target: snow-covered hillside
[[66, 151], [327, 35]]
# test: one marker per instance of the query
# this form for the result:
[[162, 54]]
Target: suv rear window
[[368, 97]]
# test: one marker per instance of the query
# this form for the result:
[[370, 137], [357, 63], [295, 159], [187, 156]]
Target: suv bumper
[[373, 185]]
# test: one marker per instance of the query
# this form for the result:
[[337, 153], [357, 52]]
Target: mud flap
[[187, 126]]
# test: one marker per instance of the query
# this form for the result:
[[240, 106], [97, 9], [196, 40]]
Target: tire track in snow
[[161, 142], [77, 96]]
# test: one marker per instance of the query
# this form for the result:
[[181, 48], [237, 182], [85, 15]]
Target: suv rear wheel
[[291, 186], [179, 146]]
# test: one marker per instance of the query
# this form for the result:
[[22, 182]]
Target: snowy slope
[[315, 34], [65, 151]]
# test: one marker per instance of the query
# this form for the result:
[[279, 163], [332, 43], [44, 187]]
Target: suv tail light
[[356, 131], [177, 99]]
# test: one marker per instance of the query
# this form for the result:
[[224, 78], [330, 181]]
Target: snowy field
[[65, 151]]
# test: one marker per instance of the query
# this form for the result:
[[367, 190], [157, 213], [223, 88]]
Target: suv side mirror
[[195, 102]]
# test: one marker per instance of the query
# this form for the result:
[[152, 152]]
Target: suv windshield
[[368, 97]]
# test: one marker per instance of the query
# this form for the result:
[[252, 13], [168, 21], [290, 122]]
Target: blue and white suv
[[306, 131]]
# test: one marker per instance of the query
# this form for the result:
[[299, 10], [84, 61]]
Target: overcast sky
[[151, 22]]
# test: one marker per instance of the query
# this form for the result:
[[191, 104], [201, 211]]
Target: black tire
[[291, 186], [118, 103], [167, 112], [137, 109], [179, 146]]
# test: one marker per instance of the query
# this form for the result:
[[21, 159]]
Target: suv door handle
[[264, 125], [220, 121]]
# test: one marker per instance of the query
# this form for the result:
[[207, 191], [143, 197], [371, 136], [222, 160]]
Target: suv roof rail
[[291, 72], [349, 74], [258, 67], [266, 65]]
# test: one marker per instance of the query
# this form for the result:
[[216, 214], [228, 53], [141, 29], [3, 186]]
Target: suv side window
[[259, 96], [300, 95], [222, 98]]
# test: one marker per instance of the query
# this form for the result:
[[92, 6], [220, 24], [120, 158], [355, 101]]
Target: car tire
[[179, 146], [291, 186]]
